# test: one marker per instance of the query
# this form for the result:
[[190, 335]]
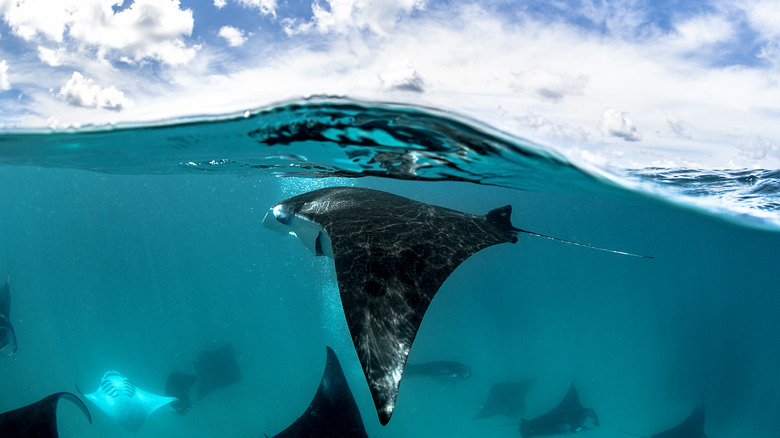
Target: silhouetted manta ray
[[124, 403], [214, 369], [37, 420], [691, 427], [568, 417], [178, 385], [506, 398], [7, 332], [446, 370], [391, 255], [333, 412]]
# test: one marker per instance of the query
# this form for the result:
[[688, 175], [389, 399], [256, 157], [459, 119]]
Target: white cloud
[[52, 57], [219, 4], [401, 76], [548, 85], [147, 29], [758, 148], [266, 7], [702, 31], [4, 83], [81, 91], [234, 37], [677, 126], [763, 16], [341, 16], [560, 131], [617, 124]]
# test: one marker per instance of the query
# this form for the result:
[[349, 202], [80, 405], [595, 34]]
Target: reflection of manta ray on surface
[[568, 417], [333, 412], [7, 333], [122, 401], [38, 419], [506, 398], [391, 256]]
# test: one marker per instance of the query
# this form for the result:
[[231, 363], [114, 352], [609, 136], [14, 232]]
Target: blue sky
[[626, 83]]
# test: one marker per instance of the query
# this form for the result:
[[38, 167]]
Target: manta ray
[[333, 412], [446, 370], [7, 332], [391, 256], [214, 369], [38, 419], [506, 398], [691, 427], [178, 385], [124, 403], [568, 417]]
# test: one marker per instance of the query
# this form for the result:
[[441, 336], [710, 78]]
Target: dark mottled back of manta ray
[[392, 255]]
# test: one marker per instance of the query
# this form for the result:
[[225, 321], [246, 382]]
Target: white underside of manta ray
[[124, 403]]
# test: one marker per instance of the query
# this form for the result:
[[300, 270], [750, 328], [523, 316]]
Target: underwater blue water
[[134, 248]]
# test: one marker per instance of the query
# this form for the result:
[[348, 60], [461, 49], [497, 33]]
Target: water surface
[[134, 248]]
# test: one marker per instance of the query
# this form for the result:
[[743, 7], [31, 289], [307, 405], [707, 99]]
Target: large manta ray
[[39, 419], [333, 412], [7, 333], [392, 255], [568, 417]]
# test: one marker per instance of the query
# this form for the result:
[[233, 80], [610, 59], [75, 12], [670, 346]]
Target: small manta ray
[[568, 417], [391, 256], [445, 370], [7, 333], [178, 385], [333, 412], [37, 420], [214, 369], [122, 401], [691, 427], [506, 398]]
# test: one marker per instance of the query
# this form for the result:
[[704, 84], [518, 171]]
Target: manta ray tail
[[614, 251]]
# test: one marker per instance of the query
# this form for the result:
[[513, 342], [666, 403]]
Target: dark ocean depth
[[135, 248]]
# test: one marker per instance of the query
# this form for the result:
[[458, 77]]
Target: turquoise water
[[134, 248]]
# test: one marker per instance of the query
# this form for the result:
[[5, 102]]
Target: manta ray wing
[[39, 419], [7, 332], [124, 403], [506, 398], [691, 427], [391, 255], [333, 412]]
